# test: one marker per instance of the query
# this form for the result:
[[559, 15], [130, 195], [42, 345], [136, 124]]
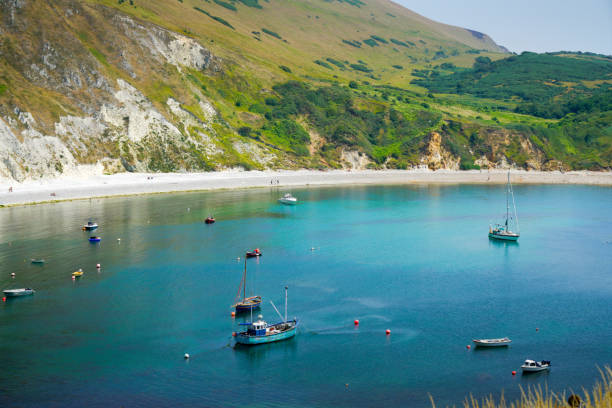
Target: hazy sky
[[528, 25]]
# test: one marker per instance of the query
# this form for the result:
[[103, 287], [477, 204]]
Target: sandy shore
[[139, 183]]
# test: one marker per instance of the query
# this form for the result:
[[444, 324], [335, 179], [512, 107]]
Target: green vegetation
[[272, 33], [544, 85], [353, 43], [323, 64], [360, 67], [251, 3], [218, 19], [3, 88], [401, 43], [285, 68], [356, 3], [225, 4], [337, 63]]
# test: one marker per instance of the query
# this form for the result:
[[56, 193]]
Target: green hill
[[185, 85]]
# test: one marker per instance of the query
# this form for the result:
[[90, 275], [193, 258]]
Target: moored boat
[[531, 366], [255, 253], [246, 303], [288, 199], [260, 332], [37, 261], [95, 239], [502, 231], [18, 292], [78, 273], [505, 341], [90, 226], [209, 220]]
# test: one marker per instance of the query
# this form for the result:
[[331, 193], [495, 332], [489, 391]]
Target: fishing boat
[[95, 239], [288, 199], [209, 220], [37, 261], [260, 332], [254, 253], [505, 341], [78, 273], [503, 231], [246, 303], [18, 292], [531, 366], [90, 226]]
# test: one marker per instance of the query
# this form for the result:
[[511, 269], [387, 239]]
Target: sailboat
[[247, 303], [503, 231], [260, 332]]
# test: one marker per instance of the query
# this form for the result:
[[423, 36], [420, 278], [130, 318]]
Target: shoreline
[[131, 184]]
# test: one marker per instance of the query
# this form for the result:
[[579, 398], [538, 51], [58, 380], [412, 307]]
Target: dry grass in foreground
[[599, 397]]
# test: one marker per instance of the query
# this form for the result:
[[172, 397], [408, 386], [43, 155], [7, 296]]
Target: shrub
[[285, 68], [271, 33]]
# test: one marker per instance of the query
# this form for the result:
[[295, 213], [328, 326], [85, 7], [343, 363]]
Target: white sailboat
[[503, 231]]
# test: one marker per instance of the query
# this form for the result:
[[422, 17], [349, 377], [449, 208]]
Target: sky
[[528, 25]]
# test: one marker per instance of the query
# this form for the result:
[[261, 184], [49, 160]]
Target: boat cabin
[[530, 363], [258, 328]]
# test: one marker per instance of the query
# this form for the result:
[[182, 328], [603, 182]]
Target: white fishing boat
[[503, 231], [531, 366], [288, 199], [505, 341], [18, 292]]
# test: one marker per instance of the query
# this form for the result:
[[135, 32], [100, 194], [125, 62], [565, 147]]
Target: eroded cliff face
[[74, 110]]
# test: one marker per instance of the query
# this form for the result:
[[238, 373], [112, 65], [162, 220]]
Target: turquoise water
[[412, 259]]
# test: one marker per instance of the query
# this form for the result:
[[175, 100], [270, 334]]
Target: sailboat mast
[[286, 304], [244, 281], [507, 200]]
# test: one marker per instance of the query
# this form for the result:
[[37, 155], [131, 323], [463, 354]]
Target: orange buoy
[[468, 347], [4, 299], [356, 322], [233, 314], [233, 334], [513, 372], [388, 332]]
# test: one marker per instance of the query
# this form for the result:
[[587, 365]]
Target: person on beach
[[10, 189]]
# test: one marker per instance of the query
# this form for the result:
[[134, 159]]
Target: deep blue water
[[412, 259]]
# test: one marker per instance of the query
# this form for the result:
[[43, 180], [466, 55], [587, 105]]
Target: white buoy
[[13, 274], [186, 355], [98, 266], [118, 239]]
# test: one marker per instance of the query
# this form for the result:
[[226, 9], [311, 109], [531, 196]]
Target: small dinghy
[[210, 220], [531, 366], [90, 226], [95, 239], [18, 292], [253, 254], [492, 342], [37, 261], [78, 273], [288, 199]]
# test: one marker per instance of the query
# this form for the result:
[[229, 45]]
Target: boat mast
[[286, 304], [244, 281], [507, 200], [515, 214]]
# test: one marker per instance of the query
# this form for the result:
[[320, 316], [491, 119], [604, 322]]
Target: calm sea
[[412, 259]]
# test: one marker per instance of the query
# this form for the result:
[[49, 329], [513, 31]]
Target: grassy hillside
[[289, 84]]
